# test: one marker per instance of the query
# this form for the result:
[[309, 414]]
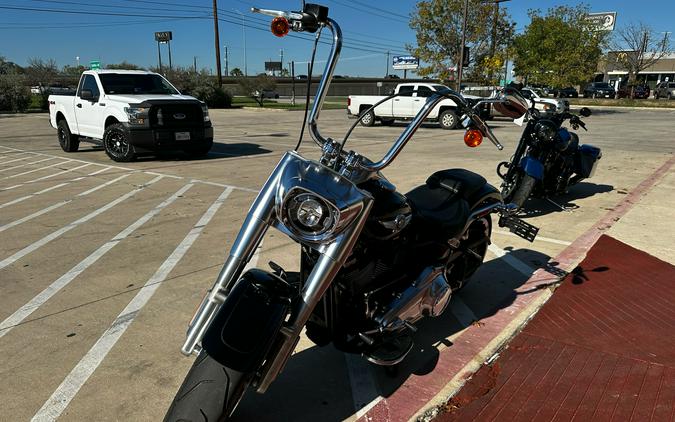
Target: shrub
[[14, 94]]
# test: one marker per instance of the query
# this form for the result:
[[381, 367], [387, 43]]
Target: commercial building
[[611, 70]]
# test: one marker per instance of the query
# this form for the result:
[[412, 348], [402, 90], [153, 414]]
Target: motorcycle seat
[[438, 211], [461, 182]]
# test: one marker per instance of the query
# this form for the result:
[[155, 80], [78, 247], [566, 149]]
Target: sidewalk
[[602, 348]]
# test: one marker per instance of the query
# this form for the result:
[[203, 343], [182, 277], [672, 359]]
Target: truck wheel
[[68, 141], [116, 143], [447, 119], [368, 119]]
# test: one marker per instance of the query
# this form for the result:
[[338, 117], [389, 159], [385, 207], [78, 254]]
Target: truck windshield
[[117, 83]]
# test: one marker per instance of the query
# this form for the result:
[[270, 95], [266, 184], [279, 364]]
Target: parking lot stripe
[[58, 173], [538, 238], [108, 183], [34, 215], [35, 245], [34, 170], [60, 185], [220, 185], [65, 392], [15, 159], [64, 280], [28, 164], [511, 260]]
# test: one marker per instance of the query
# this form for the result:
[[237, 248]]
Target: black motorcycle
[[374, 262], [548, 158]]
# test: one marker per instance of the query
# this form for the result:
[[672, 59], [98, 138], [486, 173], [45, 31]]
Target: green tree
[[438, 27], [236, 72], [41, 72], [14, 94], [560, 48], [7, 67]]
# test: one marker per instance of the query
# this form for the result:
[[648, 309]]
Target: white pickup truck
[[130, 112], [404, 107]]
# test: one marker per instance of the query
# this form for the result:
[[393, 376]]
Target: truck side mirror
[[86, 94]]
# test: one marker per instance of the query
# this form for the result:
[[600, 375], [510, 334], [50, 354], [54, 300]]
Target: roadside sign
[[405, 62], [163, 36], [604, 21], [273, 66], [94, 64]]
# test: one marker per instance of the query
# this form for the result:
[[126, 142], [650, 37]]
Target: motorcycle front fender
[[248, 322], [532, 167]]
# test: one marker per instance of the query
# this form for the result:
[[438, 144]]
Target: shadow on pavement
[[536, 207], [218, 151], [316, 385]]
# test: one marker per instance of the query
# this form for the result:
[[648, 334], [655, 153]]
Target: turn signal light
[[280, 26], [473, 138]]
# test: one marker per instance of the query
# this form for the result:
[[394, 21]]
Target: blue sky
[[111, 39]]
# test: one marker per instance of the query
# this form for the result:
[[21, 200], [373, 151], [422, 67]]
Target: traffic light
[[465, 56]]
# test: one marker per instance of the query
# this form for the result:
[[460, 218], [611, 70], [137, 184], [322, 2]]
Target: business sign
[[405, 62], [164, 36], [273, 66], [604, 21], [94, 65]]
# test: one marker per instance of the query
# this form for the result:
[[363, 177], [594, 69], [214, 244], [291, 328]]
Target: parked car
[[599, 90], [267, 93], [130, 112], [544, 104], [567, 92], [639, 91], [665, 90]]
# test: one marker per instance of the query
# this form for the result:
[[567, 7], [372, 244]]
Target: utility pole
[[217, 40], [194, 63], [292, 83], [159, 55], [461, 48], [227, 68], [386, 67], [281, 54]]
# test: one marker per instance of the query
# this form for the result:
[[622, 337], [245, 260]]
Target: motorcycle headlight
[[308, 215], [137, 115]]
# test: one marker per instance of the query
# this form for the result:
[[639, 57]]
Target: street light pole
[[243, 31]]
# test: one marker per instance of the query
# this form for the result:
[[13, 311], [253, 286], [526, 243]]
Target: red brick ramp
[[602, 348]]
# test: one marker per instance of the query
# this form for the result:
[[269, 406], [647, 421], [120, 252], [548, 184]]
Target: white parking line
[[64, 280], [58, 204], [511, 260], [63, 395], [49, 189], [35, 245], [15, 159], [220, 185], [27, 164], [541, 238], [34, 170], [58, 174]]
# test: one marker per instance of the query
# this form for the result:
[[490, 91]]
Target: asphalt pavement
[[102, 264]]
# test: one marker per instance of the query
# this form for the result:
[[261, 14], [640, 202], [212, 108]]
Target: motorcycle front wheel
[[521, 191], [209, 393]]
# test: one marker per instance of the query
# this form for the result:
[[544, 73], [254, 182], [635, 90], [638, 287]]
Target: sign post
[[94, 65], [163, 37]]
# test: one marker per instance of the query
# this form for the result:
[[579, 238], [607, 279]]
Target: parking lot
[[102, 265]]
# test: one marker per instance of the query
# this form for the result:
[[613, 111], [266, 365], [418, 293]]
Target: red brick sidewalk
[[602, 348]]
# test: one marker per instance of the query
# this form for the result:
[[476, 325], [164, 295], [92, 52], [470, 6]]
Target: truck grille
[[176, 115]]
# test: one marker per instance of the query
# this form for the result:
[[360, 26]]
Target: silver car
[[665, 90]]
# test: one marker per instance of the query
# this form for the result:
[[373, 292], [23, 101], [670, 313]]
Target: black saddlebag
[[587, 160]]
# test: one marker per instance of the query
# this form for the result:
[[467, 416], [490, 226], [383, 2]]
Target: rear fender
[[248, 322], [532, 167]]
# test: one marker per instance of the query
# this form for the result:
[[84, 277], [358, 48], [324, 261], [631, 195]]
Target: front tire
[[209, 393], [368, 119], [522, 191], [447, 119], [67, 141], [116, 143]]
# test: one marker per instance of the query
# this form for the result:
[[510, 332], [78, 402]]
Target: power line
[[381, 10], [106, 5], [369, 11], [82, 12], [88, 25]]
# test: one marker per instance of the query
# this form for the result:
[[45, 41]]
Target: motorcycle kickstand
[[562, 208]]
